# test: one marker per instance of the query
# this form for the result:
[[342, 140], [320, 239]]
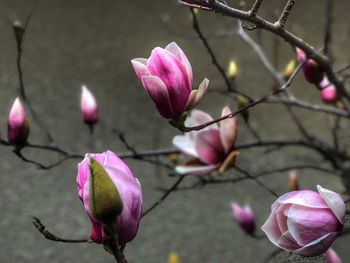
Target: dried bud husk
[[293, 184], [228, 162], [105, 202]]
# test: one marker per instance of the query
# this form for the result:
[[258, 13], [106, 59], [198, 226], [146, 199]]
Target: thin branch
[[196, 27], [165, 195], [328, 27], [284, 16], [250, 105], [254, 10], [48, 235], [295, 41]]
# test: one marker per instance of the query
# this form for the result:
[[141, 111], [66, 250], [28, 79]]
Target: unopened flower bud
[[244, 216], [329, 91], [173, 258], [312, 71], [293, 181], [17, 124], [105, 202], [332, 257], [89, 107], [289, 69], [232, 70]]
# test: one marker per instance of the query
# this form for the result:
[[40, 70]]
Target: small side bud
[[232, 70], [293, 184], [17, 124], [312, 71], [328, 90], [173, 258], [289, 69], [19, 30], [105, 202], [242, 102], [244, 216]]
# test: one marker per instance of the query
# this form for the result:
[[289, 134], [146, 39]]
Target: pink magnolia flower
[[329, 91], [244, 216], [167, 78], [129, 190], [312, 71], [89, 107], [209, 146], [332, 257], [17, 124], [305, 222]]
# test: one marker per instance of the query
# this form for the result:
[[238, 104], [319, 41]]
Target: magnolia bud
[[289, 69], [17, 124], [293, 181], [312, 71], [89, 107], [105, 202], [232, 70], [329, 91], [244, 216], [173, 258], [332, 257]]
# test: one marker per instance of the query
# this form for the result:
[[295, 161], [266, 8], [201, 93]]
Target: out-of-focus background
[[70, 43]]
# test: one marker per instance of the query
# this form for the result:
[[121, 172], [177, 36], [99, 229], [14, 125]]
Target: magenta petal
[[228, 130], [140, 67], [177, 51], [195, 170], [334, 201], [172, 72], [318, 246], [208, 146], [96, 231], [308, 224], [159, 94]]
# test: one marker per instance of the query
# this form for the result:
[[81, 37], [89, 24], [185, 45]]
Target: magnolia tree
[[302, 222]]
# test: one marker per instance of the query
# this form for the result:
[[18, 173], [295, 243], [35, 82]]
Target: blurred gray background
[[69, 43]]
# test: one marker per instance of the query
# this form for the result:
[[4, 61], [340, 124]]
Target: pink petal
[[329, 94], [287, 242], [228, 130], [177, 51], [308, 224], [318, 246], [332, 257], [185, 144], [271, 229], [334, 201], [195, 170], [301, 56], [197, 95], [173, 73], [140, 67], [208, 146], [306, 198], [198, 117], [159, 94]]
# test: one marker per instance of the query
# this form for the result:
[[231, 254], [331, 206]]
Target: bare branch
[[284, 16], [48, 235], [254, 10]]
